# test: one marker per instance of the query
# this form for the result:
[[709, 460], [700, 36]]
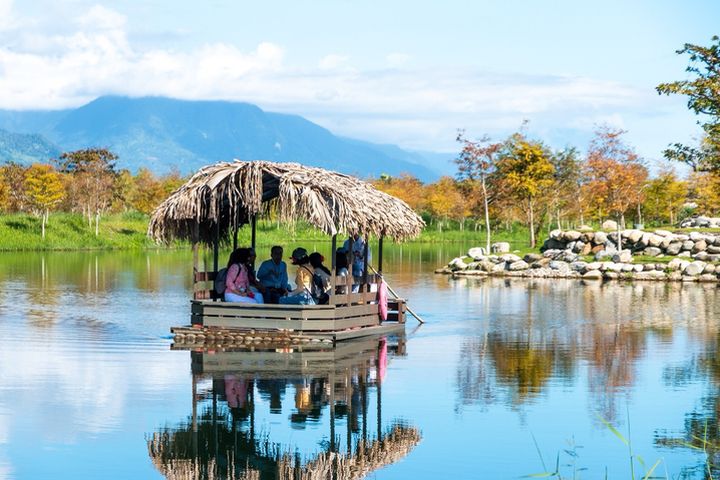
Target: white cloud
[[333, 61], [416, 107], [6, 14]]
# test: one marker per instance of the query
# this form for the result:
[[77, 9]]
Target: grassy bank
[[127, 231]]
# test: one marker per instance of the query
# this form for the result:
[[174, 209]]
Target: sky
[[410, 73]]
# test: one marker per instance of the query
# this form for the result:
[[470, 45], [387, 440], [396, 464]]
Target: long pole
[[398, 296]]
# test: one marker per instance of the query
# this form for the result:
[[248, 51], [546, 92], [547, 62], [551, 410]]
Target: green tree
[[525, 169], [703, 92], [476, 164], [92, 181], [44, 189], [567, 178]]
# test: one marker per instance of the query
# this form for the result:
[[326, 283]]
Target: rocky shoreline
[[691, 257]]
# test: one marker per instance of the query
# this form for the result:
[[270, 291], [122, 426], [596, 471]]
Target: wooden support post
[[254, 228], [380, 251], [333, 269], [366, 250], [196, 260]]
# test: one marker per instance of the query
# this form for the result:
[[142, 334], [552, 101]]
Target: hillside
[[163, 134]]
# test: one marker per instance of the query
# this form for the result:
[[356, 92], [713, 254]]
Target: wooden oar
[[396, 295]]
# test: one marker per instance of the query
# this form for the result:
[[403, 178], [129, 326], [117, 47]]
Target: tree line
[[84, 181]]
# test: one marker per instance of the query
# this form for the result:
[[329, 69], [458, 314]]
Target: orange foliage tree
[[44, 189]]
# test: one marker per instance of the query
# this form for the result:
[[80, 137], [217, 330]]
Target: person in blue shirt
[[357, 255], [272, 274]]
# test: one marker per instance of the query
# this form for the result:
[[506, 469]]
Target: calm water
[[505, 376]]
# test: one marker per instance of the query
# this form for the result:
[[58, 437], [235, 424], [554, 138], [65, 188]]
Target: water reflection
[[315, 412], [548, 331]]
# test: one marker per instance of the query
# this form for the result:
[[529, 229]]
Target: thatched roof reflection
[[173, 460], [231, 193]]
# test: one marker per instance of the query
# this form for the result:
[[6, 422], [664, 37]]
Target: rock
[[652, 251], [579, 246], [500, 247], [648, 267], [713, 257], [542, 263], [663, 233], [701, 256], [708, 277], [710, 268], [609, 225], [628, 267], [559, 265], [614, 267], [556, 234], [457, 264], [519, 265], [600, 238], [587, 249], [593, 266], [682, 238], [677, 264], [625, 256], [653, 275], [602, 254], [509, 258], [486, 266], [578, 266], [684, 253], [688, 245], [532, 257], [478, 253], [611, 275], [654, 240], [674, 248], [592, 275], [498, 267], [566, 256], [597, 248], [713, 249], [635, 235], [552, 244], [694, 268], [638, 268], [572, 236], [551, 253], [674, 276], [570, 246], [696, 236], [700, 246]]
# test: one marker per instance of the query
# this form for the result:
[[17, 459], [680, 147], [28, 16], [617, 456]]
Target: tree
[[148, 192], [705, 191], [92, 173], [476, 163], [405, 187], [4, 192], [704, 99], [14, 176], [445, 200], [524, 168], [566, 183], [615, 176], [664, 197], [44, 190]]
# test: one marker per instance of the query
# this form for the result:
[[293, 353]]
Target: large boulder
[[457, 264], [700, 246], [509, 258], [694, 268], [478, 253], [688, 245], [609, 225], [674, 248], [624, 256], [634, 235], [532, 257], [498, 267], [600, 238], [572, 236], [677, 264], [592, 275], [500, 247], [654, 240], [518, 265], [652, 251]]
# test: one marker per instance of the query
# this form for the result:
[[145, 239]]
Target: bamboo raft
[[210, 208]]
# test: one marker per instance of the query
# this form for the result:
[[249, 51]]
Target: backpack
[[220, 279], [320, 290]]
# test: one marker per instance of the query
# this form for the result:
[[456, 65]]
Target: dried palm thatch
[[227, 195]]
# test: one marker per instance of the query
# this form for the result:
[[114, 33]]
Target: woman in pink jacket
[[237, 283]]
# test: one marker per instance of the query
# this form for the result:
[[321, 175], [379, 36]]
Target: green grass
[[127, 231]]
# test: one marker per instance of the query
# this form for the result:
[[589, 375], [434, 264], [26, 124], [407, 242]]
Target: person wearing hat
[[302, 295]]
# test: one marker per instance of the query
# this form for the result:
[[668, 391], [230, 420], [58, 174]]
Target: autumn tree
[[405, 187], [445, 200], [703, 92], [524, 168], [4, 192], [93, 175], [476, 164], [704, 190], [44, 190], [664, 196], [567, 178], [14, 178], [615, 175]]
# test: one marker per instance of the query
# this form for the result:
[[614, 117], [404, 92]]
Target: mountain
[[25, 148], [162, 133]]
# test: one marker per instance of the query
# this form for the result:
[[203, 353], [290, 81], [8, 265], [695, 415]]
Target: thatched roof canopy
[[231, 193]]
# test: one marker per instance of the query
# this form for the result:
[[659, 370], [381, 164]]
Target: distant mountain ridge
[[162, 133]]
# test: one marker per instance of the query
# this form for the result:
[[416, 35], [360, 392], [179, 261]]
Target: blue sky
[[408, 73]]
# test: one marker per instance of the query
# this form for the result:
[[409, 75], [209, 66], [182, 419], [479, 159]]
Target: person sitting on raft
[[237, 283], [321, 279], [302, 294], [341, 268], [255, 286], [272, 274]]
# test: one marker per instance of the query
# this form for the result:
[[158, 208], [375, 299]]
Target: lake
[[507, 378]]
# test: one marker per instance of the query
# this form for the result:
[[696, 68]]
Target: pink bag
[[382, 299]]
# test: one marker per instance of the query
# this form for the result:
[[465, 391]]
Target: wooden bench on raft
[[344, 310]]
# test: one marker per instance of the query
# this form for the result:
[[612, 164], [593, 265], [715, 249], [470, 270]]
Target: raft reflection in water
[[238, 399]]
